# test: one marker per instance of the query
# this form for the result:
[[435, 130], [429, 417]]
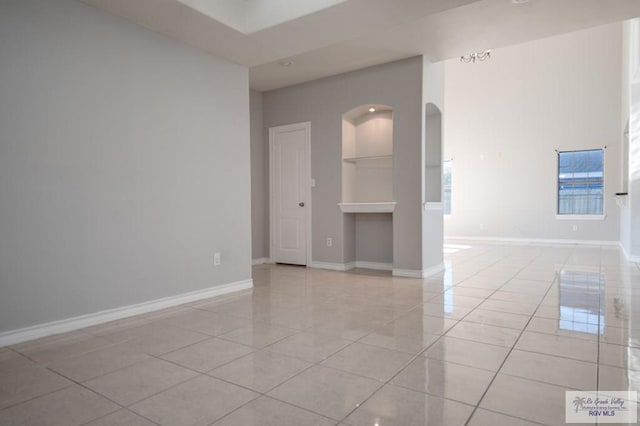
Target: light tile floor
[[495, 340]]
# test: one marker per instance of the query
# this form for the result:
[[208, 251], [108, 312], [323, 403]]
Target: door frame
[[306, 126]]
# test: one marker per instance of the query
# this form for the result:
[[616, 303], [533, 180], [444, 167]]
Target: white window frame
[[595, 216]]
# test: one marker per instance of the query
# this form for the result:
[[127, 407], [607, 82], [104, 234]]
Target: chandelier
[[477, 56]]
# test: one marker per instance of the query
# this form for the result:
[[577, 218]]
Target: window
[[580, 182], [446, 186]]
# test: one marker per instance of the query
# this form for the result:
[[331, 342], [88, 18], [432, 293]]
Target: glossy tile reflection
[[503, 331], [580, 294]]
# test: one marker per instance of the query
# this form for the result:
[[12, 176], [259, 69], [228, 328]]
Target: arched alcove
[[433, 154]]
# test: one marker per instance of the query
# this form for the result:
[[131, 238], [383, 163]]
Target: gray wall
[[124, 164], [259, 180], [505, 118], [322, 102], [374, 237]]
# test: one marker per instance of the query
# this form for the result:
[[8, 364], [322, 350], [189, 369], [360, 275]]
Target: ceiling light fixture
[[519, 1], [285, 63], [372, 109], [477, 56]]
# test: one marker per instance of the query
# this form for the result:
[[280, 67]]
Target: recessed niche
[[367, 154], [367, 186]]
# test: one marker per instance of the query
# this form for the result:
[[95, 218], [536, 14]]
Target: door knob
[[301, 204]]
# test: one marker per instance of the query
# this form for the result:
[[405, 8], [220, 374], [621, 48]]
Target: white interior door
[[289, 189]]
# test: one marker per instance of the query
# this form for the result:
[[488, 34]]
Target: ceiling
[[285, 43]]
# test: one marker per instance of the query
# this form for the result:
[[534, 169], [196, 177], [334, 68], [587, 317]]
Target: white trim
[[434, 206], [333, 266], [306, 125], [635, 259], [380, 266], [55, 327], [259, 261], [407, 273], [382, 207], [417, 273], [533, 240], [580, 217], [436, 269], [603, 216]]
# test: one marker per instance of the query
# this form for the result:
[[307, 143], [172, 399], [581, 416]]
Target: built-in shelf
[[356, 159], [380, 207]]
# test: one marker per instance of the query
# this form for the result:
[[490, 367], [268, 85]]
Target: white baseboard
[[407, 273], [532, 241], [629, 257], [418, 273], [333, 266], [55, 327], [350, 265], [380, 266], [260, 261], [436, 269]]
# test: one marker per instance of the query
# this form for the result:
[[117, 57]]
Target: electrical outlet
[[329, 242], [575, 228], [216, 259], [481, 226]]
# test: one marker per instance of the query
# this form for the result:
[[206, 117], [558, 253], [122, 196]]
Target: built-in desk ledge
[[381, 207]]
